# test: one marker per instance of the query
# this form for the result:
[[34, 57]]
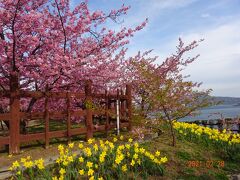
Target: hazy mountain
[[228, 100]]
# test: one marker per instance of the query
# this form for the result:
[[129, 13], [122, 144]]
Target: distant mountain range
[[228, 100]]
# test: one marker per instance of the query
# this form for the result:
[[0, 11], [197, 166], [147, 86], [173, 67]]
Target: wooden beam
[[32, 137], [5, 117], [4, 140], [107, 106], [46, 118], [68, 118]]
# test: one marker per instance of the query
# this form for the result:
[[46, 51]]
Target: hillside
[[228, 100]]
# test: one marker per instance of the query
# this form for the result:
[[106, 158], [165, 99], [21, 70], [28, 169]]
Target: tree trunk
[[143, 113], [23, 123], [171, 127], [172, 133]]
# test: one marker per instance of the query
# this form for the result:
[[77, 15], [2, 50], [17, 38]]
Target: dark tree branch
[[62, 24], [14, 38]]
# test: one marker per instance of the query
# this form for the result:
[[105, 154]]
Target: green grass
[[54, 125], [184, 155], [185, 151]]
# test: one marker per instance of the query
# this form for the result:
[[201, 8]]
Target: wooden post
[[115, 107], [118, 116], [106, 112], [68, 118], [14, 145], [46, 118], [122, 111], [88, 103], [129, 105]]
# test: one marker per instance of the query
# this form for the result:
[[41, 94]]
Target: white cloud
[[219, 61], [152, 8], [163, 4], [205, 15]]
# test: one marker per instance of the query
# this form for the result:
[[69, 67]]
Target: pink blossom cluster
[[48, 44]]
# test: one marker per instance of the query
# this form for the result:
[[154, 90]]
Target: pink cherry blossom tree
[[163, 90], [45, 43]]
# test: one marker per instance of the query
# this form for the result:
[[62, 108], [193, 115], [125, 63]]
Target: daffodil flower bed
[[212, 134], [224, 141], [96, 160]]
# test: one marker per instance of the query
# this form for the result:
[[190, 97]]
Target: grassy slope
[[179, 157]]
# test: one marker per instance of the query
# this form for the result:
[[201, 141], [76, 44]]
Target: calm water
[[228, 111]]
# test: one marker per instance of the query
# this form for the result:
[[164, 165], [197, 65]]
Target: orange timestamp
[[207, 163]]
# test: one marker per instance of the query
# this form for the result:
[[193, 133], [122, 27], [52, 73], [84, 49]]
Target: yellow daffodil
[[124, 168], [90, 141], [136, 145], [80, 145], [90, 172], [111, 145], [132, 163], [89, 164], [142, 150], [81, 159], [135, 156], [95, 147], [127, 146], [121, 138], [65, 163], [70, 158], [39, 163], [119, 158], [136, 150], [164, 159], [81, 172], [62, 171], [88, 151], [60, 148], [71, 145], [23, 160], [28, 164], [15, 164], [157, 153]]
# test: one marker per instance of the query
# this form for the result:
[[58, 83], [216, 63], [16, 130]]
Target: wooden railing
[[15, 138]]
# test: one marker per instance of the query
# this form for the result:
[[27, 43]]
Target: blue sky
[[217, 21]]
